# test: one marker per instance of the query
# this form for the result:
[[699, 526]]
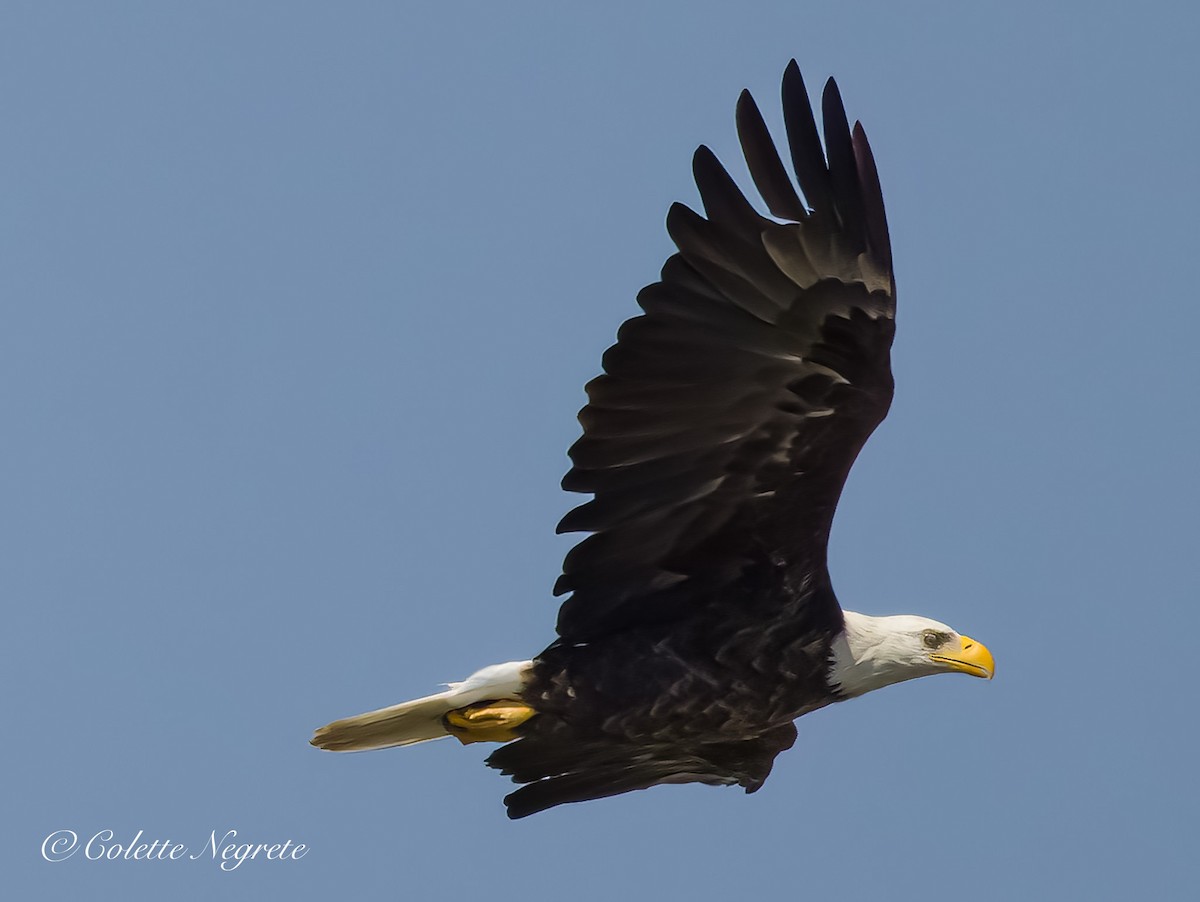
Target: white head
[[874, 652]]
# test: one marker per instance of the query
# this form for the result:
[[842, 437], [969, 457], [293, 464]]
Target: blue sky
[[298, 306]]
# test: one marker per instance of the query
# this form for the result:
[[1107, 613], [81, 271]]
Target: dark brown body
[[731, 670], [710, 699]]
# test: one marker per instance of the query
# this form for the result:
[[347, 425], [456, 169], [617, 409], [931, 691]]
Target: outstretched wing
[[731, 411]]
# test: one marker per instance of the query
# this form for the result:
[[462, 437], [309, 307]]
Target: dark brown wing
[[731, 411], [559, 766]]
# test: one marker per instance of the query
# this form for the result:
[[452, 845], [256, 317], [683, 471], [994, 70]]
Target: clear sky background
[[298, 304]]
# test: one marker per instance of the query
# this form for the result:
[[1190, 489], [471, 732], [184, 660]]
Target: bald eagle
[[701, 620]]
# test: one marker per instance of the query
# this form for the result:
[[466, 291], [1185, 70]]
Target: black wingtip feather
[[723, 199], [808, 159], [843, 167], [872, 194], [766, 170]]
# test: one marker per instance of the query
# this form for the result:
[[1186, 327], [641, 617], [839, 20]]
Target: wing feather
[[730, 412]]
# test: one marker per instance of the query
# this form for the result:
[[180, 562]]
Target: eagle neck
[[864, 657]]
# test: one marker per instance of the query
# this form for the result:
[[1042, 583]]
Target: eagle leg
[[494, 721]]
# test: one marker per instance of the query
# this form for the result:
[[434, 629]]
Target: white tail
[[421, 719]]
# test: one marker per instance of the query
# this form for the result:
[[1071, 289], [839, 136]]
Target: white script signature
[[224, 849]]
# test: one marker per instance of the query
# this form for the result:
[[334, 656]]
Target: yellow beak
[[972, 658]]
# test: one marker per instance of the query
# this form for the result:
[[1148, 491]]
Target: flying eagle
[[701, 620]]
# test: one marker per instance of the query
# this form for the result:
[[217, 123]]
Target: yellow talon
[[488, 722]]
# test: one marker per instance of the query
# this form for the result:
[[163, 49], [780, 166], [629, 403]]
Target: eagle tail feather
[[422, 719]]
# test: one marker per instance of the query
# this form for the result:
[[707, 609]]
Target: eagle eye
[[933, 639]]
